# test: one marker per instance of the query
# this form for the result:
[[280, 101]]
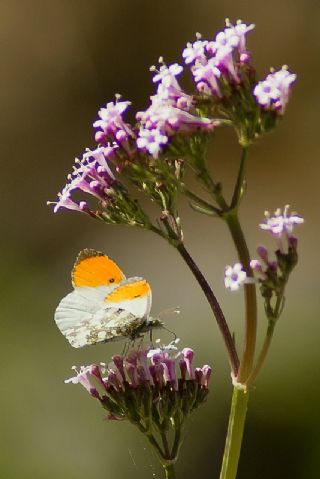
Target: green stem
[[268, 338], [177, 442], [165, 444], [156, 446], [201, 202], [263, 353], [235, 433], [240, 183], [169, 471], [246, 362]]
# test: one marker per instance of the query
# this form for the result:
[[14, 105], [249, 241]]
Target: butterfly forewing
[[92, 269]]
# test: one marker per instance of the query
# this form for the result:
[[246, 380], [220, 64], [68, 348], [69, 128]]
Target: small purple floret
[[143, 368], [188, 355], [273, 93]]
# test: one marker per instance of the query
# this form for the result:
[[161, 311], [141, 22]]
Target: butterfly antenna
[[171, 332], [168, 311]]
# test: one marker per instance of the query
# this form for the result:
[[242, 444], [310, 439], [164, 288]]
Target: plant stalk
[[246, 363], [240, 183], [235, 434], [263, 353], [169, 471], [215, 306]]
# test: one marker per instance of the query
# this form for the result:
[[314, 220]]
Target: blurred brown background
[[61, 61]]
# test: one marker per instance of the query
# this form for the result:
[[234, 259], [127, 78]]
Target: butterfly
[[104, 305]]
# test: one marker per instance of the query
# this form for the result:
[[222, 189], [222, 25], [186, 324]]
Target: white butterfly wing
[[85, 319], [93, 314]]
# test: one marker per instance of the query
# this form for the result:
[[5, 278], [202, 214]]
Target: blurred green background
[[61, 61]]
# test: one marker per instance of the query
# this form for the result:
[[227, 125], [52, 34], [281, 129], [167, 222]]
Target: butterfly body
[[105, 305]]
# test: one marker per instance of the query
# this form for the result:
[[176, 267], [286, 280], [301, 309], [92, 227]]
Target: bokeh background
[[60, 62]]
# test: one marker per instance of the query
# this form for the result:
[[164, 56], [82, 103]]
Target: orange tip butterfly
[[104, 305]]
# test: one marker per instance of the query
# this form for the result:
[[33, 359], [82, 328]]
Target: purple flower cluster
[[273, 274], [91, 175], [171, 111], [222, 72], [142, 368], [217, 61], [111, 126], [146, 389], [262, 265], [281, 225], [273, 92]]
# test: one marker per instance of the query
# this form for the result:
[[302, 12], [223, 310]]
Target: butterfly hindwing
[[84, 322], [133, 295]]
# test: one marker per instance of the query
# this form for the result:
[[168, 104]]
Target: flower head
[[167, 75], [112, 127], [91, 175], [136, 370], [151, 141], [234, 276], [83, 377], [273, 93], [218, 60], [273, 274], [170, 112], [146, 388], [206, 76], [281, 222], [195, 51]]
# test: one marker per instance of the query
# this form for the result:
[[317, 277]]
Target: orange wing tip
[[93, 268], [129, 291], [87, 253]]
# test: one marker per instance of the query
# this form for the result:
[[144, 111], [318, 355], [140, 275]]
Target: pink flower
[[91, 175], [240, 30], [151, 141], [65, 201], [111, 126], [234, 277], [188, 355], [83, 377], [281, 223], [273, 93], [209, 74], [167, 75], [195, 51], [218, 59]]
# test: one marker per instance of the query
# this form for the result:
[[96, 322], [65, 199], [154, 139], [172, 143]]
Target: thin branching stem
[[212, 300], [240, 183], [215, 306], [201, 202], [263, 353]]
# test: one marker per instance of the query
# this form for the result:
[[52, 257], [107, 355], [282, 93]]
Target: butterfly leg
[[171, 332], [125, 349]]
